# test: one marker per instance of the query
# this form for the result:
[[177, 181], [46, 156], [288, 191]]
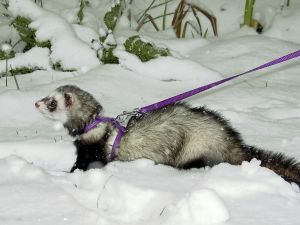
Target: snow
[[167, 68], [6, 48], [34, 58], [282, 27], [35, 153], [200, 207], [66, 48]]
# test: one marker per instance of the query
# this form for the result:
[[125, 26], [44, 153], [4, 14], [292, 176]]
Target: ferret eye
[[53, 104]]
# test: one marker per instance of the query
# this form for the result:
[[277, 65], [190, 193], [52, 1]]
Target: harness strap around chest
[[115, 123]]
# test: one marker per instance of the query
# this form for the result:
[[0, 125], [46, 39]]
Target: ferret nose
[[37, 104]]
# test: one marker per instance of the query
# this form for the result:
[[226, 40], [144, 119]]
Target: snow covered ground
[[264, 107]]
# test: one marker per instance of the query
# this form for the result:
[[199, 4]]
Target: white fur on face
[[60, 113]]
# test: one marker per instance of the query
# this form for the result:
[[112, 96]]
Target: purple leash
[[174, 99], [187, 94]]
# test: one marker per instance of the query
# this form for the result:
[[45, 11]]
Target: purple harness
[[116, 123], [121, 129]]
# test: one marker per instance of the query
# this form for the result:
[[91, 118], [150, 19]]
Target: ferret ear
[[68, 99]]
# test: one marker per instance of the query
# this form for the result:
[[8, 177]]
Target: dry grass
[[179, 22]]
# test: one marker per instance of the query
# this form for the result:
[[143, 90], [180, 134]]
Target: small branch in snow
[[157, 17], [145, 12], [162, 211], [6, 71], [141, 23], [15, 78]]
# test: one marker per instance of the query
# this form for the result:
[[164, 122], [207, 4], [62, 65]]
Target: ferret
[[177, 135]]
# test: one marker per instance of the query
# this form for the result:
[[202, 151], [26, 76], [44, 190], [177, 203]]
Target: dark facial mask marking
[[51, 104]]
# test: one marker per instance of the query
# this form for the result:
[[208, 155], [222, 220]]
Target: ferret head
[[72, 106]]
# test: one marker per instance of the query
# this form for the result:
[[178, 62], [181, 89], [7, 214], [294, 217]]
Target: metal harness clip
[[124, 117]]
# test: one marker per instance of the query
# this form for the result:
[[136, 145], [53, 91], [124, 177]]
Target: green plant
[[248, 12], [5, 4], [248, 20], [108, 57], [6, 55], [58, 66], [27, 34], [80, 12], [144, 50], [111, 17], [110, 20]]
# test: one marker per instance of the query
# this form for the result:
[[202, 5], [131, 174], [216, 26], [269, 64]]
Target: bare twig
[[6, 71], [178, 21], [157, 5], [178, 16], [185, 27], [164, 16], [16, 81], [162, 211], [141, 23], [157, 17], [177, 11], [198, 20], [16, 44], [205, 33], [212, 19], [145, 12]]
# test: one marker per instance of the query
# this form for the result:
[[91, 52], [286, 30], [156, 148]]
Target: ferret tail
[[288, 168]]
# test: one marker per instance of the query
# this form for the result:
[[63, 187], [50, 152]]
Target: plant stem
[[248, 12], [185, 28], [17, 84], [145, 12], [142, 22], [198, 20], [157, 17], [165, 16], [6, 72], [155, 6]]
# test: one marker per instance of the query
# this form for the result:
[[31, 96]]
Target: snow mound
[[199, 207], [134, 203], [167, 68], [282, 27], [26, 188], [34, 58], [247, 179], [47, 155], [66, 48]]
